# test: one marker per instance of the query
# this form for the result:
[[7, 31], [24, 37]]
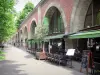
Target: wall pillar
[[68, 44], [39, 16]]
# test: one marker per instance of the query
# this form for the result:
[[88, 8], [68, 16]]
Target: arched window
[[55, 20], [25, 32], [33, 25], [93, 14]]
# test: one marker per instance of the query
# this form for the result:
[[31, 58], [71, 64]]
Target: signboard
[[70, 52], [59, 44]]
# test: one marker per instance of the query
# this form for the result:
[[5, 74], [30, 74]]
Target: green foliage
[[6, 5], [41, 32], [28, 7], [24, 13], [2, 55], [7, 27]]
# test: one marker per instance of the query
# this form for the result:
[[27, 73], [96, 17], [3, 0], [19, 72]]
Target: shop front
[[32, 46], [56, 44], [88, 41], [55, 48]]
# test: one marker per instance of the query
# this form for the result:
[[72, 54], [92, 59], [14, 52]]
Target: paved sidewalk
[[19, 62]]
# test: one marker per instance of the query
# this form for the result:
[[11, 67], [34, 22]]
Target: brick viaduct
[[73, 13]]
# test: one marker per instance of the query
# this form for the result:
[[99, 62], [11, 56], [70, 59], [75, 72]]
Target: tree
[[41, 32], [24, 13], [7, 27]]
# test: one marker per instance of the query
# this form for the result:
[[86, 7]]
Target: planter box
[[40, 55]]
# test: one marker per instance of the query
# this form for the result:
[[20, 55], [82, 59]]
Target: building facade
[[63, 17]]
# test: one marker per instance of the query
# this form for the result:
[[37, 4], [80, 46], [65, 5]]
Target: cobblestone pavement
[[19, 62]]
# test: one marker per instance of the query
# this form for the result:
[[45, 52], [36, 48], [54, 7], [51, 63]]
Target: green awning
[[85, 34], [54, 37]]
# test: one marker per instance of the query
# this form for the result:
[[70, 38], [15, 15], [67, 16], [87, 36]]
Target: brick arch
[[78, 15], [31, 28], [33, 20], [25, 32], [21, 37], [21, 33], [31, 23], [16, 37], [57, 5]]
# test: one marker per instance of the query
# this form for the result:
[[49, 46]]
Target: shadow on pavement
[[52, 63], [72, 70], [29, 56], [8, 67]]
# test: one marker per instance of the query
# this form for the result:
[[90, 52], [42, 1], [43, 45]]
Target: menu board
[[70, 52]]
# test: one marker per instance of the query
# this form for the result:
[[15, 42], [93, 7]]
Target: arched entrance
[[85, 15], [87, 19], [18, 39], [31, 43], [32, 29], [92, 17], [80, 9], [25, 37], [78, 20], [55, 23], [21, 38], [92, 22]]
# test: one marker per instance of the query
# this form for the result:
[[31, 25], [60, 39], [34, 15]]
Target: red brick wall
[[66, 5], [34, 16], [29, 21]]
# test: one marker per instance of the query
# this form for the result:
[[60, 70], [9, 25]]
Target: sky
[[21, 3]]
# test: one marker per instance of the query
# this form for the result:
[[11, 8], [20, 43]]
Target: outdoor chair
[[56, 58], [64, 59], [52, 57], [33, 50], [49, 56], [60, 59]]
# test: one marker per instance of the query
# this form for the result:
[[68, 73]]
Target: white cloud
[[21, 3]]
